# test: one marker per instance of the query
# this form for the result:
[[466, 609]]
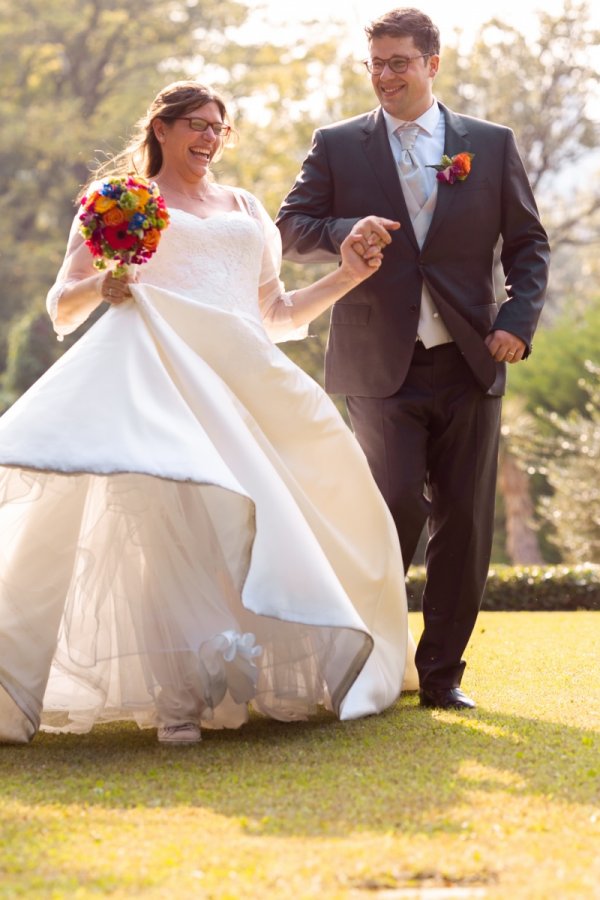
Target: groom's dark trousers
[[441, 431], [428, 420]]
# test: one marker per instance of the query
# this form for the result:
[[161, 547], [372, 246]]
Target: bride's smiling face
[[187, 149]]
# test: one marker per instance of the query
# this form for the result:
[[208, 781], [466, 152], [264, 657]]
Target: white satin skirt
[[188, 529]]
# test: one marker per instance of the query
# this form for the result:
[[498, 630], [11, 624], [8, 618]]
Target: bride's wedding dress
[[187, 526]]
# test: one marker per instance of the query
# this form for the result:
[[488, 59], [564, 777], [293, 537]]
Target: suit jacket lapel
[[456, 140], [379, 154]]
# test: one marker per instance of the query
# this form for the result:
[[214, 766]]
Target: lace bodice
[[230, 260], [216, 261]]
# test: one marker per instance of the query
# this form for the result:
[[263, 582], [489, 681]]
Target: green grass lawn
[[499, 802]]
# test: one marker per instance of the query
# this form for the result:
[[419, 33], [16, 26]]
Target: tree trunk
[[522, 545]]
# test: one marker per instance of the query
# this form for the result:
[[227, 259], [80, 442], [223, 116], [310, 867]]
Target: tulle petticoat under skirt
[[127, 589]]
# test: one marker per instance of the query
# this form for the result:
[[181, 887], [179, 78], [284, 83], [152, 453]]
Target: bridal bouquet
[[122, 219]]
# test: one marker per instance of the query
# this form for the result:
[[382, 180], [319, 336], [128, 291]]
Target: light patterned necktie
[[410, 170]]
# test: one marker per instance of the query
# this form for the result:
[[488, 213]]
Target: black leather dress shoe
[[446, 698]]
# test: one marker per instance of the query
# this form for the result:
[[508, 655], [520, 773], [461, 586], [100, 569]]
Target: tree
[[568, 455], [549, 386], [75, 75], [551, 379], [521, 543]]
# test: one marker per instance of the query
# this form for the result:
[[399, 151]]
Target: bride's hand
[[116, 290], [362, 249]]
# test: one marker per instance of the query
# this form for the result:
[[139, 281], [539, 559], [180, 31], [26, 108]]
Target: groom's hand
[[505, 347], [371, 234]]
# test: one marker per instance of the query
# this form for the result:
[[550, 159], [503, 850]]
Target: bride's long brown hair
[[143, 153]]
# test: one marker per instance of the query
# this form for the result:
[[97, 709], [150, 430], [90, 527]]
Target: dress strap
[[246, 202]]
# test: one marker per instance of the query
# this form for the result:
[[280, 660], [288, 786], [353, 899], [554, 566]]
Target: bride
[[187, 527]]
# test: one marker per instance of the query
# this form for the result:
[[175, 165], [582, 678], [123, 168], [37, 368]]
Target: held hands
[[362, 249], [115, 290], [505, 347]]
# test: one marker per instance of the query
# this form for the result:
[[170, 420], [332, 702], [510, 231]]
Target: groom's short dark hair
[[407, 22]]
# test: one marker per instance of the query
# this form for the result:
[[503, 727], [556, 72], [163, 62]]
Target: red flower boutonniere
[[453, 168]]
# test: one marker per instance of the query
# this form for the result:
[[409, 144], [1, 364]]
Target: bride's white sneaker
[[186, 733]]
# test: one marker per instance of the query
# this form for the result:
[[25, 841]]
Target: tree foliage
[[551, 378], [541, 87], [567, 454], [548, 385], [75, 75]]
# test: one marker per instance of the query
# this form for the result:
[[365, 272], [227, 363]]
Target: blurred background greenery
[[76, 74]]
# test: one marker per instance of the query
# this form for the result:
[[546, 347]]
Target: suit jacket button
[[413, 307]]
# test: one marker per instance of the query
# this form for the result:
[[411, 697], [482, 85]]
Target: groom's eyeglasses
[[198, 124], [398, 64]]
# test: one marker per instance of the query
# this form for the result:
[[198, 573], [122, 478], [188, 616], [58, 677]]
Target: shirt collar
[[427, 122]]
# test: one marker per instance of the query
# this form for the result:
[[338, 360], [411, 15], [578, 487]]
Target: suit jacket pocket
[[470, 185], [350, 314]]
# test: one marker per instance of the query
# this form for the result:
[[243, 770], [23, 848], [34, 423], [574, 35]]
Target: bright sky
[[465, 15]]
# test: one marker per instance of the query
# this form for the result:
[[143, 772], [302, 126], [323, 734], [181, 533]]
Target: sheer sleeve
[[274, 301], [76, 266]]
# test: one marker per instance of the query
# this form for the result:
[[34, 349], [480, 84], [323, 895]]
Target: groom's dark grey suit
[[427, 416]]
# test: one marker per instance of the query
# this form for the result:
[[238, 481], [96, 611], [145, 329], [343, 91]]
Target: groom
[[420, 348]]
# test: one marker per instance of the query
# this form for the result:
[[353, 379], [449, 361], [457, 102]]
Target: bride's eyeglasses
[[220, 129]]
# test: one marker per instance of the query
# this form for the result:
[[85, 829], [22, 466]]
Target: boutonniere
[[453, 168]]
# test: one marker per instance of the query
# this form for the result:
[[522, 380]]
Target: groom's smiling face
[[409, 94]]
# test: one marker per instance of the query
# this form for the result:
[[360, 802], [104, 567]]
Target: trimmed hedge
[[528, 588]]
